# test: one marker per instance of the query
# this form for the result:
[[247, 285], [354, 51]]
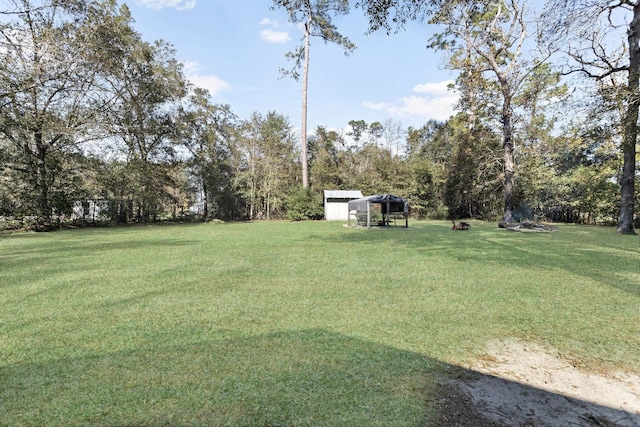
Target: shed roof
[[342, 194]]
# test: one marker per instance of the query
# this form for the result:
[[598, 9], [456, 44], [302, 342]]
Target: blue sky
[[235, 48]]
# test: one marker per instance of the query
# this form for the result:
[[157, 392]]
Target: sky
[[235, 48]]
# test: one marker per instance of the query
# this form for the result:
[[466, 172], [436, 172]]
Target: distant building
[[336, 203], [91, 210]]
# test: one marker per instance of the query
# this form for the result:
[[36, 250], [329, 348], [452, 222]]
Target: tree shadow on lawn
[[508, 248], [297, 378], [59, 249], [55, 258]]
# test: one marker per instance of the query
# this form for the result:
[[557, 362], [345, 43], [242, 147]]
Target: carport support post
[[388, 220], [368, 215]]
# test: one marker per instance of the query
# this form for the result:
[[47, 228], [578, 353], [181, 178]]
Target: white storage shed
[[336, 203]]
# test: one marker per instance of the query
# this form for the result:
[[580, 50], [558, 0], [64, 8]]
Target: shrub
[[304, 204]]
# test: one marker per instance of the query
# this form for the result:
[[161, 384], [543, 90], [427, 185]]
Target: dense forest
[[98, 125]]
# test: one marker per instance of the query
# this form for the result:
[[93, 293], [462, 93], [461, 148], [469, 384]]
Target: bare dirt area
[[524, 384]]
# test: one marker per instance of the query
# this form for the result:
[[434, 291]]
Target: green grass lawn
[[293, 324]]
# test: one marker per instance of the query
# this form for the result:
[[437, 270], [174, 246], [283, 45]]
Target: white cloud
[[211, 82], [432, 100], [271, 35], [377, 105], [436, 89], [162, 4], [270, 22], [275, 36]]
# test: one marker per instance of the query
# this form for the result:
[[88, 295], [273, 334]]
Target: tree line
[[98, 124]]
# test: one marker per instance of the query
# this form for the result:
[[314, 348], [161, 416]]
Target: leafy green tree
[[495, 34], [428, 151], [325, 159], [376, 131], [456, 170], [585, 162], [358, 132], [317, 17], [473, 179], [267, 175], [536, 136], [278, 163], [600, 51], [392, 15], [50, 95], [208, 130], [112, 177], [304, 204], [432, 140], [147, 86], [422, 190], [536, 100], [248, 168], [482, 38], [369, 164]]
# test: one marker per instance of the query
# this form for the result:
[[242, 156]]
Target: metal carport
[[388, 204]]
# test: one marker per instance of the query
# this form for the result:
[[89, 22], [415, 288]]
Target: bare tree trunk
[[316, 15], [507, 145], [268, 204], [508, 171], [41, 177], [305, 83], [630, 124], [205, 198], [253, 179]]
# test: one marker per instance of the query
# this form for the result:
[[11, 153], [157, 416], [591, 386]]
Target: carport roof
[[398, 204]]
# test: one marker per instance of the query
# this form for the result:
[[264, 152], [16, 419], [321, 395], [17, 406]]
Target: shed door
[[334, 211]]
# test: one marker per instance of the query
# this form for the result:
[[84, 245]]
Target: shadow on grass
[[302, 378], [56, 249], [55, 258]]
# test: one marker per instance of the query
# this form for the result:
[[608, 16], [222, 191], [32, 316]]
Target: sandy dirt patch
[[524, 384]]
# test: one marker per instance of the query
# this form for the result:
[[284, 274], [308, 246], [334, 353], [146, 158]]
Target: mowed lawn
[[293, 324]]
